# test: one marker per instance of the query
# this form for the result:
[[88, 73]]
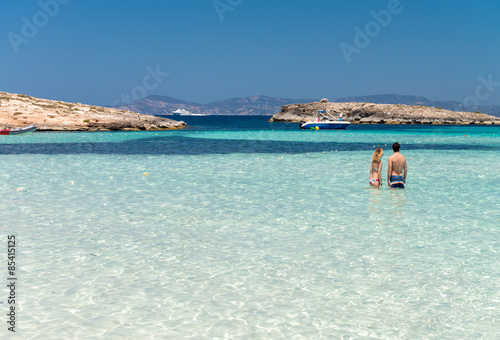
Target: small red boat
[[18, 131]]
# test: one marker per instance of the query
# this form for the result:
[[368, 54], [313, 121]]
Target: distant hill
[[417, 100], [161, 105], [254, 106], [264, 105]]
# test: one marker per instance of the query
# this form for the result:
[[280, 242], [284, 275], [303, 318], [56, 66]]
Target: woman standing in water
[[376, 168]]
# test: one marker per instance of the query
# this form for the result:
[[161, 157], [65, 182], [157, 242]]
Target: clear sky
[[101, 52]]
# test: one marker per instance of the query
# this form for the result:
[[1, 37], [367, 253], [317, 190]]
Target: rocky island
[[18, 110], [369, 113]]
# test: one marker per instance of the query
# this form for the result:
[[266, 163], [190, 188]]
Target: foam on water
[[254, 234]]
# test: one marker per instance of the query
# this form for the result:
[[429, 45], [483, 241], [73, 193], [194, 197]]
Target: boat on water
[[325, 121], [184, 112], [18, 131]]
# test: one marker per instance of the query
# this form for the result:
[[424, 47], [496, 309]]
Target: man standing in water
[[396, 174]]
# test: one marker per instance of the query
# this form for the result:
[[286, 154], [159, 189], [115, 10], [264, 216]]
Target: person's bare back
[[396, 173], [398, 164]]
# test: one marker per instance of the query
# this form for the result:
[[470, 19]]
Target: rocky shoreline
[[369, 113], [18, 110]]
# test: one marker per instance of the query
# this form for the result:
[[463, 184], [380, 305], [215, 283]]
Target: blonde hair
[[377, 155]]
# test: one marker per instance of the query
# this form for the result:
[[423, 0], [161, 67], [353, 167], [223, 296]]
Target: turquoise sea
[[237, 228]]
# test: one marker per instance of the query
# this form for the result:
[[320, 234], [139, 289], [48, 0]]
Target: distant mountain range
[[417, 100], [264, 105], [254, 106]]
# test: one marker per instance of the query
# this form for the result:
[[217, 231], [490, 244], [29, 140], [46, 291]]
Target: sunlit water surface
[[242, 229]]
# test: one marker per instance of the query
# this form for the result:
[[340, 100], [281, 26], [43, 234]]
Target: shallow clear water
[[250, 230]]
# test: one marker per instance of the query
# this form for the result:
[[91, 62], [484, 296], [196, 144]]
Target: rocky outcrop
[[18, 110], [369, 113]]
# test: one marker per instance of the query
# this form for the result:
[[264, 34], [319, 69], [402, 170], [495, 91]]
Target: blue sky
[[104, 52]]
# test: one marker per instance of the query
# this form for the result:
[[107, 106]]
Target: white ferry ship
[[184, 112]]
